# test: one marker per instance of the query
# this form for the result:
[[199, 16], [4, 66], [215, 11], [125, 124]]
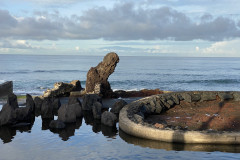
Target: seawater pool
[[89, 139]]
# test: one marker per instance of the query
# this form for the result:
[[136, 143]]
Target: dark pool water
[[89, 139]]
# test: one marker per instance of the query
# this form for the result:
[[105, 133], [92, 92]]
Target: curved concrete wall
[[132, 115]]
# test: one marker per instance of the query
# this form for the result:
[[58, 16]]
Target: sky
[[190, 28]]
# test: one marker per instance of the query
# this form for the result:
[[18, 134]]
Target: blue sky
[[196, 28]]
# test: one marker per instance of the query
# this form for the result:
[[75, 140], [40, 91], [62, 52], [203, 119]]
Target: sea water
[[88, 139]]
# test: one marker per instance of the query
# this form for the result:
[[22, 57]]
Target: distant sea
[[35, 73]]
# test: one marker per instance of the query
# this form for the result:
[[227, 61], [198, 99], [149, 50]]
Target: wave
[[213, 81], [43, 71]]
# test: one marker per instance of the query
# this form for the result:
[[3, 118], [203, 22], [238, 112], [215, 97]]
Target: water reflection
[[178, 146], [7, 133]]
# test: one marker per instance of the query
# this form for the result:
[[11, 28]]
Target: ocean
[[88, 139], [35, 73]]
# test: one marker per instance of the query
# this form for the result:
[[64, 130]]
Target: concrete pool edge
[[171, 135]]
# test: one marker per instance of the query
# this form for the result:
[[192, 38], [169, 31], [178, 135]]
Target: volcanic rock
[[63, 89], [89, 100], [100, 73], [109, 119], [30, 102], [116, 108], [12, 101], [47, 109], [97, 110], [7, 115]]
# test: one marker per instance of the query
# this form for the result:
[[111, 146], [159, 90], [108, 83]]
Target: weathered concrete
[[132, 115]]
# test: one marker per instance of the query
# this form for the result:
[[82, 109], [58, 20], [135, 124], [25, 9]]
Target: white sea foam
[[2, 81]]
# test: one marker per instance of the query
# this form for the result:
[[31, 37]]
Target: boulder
[[38, 105], [69, 113], [74, 100], [56, 103], [89, 100], [57, 124], [78, 109], [97, 110], [63, 89], [47, 109], [7, 115], [6, 88], [30, 102], [23, 114], [116, 108], [12, 101], [109, 119], [100, 73]]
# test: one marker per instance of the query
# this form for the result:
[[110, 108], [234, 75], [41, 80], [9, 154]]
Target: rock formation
[[6, 88], [63, 89], [116, 108], [109, 119], [97, 77]]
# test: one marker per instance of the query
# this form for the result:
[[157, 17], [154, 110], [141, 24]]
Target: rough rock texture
[[7, 115], [57, 124], [23, 114], [99, 75], [118, 106], [67, 114], [6, 88], [63, 89], [109, 119], [74, 100], [141, 93], [89, 100], [38, 104], [47, 109], [56, 104], [30, 102], [12, 101], [97, 110]]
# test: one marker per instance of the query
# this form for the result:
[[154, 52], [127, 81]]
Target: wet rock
[[100, 74], [208, 96], [69, 113], [38, 104], [23, 114], [30, 102], [6, 88], [89, 100], [116, 108], [57, 124], [7, 115], [225, 96], [47, 109], [12, 101], [97, 110], [109, 119], [74, 100], [63, 89], [56, 104]]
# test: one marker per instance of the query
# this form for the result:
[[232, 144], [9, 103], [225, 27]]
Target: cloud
[[17, 44], [224, 48], [122, 22]]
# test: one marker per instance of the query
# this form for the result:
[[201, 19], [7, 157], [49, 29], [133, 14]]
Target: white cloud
[[224, 48], [122, 22]]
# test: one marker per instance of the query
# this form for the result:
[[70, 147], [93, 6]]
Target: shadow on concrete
[[177, 146]]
